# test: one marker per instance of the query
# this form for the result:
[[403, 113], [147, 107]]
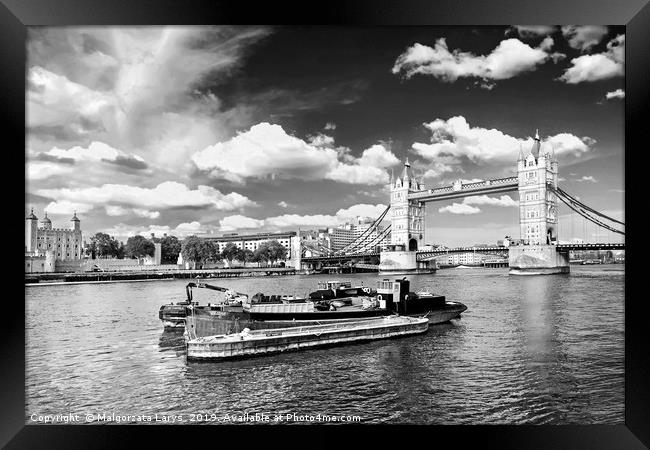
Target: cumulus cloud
[[283, 204], [98, 152], [598, 66], [238, 221], [532, 31], [584, 37], [68, 207], [466, 206], [509, 59], [504, 200], [618, 93], [342, 216], [266, 150], [459, 208], [454, 138], [587, 178], [124, 231], [169, 194], [117, 210], [330, 126], [45, 170]]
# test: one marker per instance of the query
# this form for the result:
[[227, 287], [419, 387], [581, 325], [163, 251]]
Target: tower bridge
[[538, 250]]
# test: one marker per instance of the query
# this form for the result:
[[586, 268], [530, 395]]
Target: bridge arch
[[413, 245]]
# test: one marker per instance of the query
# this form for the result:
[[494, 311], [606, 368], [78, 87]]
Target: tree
[[170, 247], [199, 251], [191, 249], [247, 256], [139, 247], [276, 251], [230, 253], [271, 251], [262, 252], [103, 245]]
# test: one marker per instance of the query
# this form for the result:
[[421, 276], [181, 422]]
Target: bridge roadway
[[430, 254], [498, 186]]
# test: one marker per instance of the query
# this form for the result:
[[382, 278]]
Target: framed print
[[400, 220]]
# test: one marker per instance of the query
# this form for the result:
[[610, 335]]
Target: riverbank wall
[[151, 275]]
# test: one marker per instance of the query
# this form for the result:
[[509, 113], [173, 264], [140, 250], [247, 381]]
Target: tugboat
[[269, 311], [173, 314]]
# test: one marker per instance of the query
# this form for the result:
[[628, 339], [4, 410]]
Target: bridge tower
[[407, 227], [537, 215], [407, 216], [537, 205]]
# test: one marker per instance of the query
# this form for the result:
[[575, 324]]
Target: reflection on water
[[529, 349]]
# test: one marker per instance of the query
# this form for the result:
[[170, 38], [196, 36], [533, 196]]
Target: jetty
[[258, 342]]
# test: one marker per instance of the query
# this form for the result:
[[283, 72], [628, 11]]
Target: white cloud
[[588, 178], [533, 31], [598, 66], [459, 208], [455, 138], [68, 207], [44, 170], [283, 204], [98, 151], [504, 200], [116, 210], [123, 231], [53, 99], [362, 210], [509, 59], [330, 126], [585, 36], [267, 150], [296, 220], [135, 87], [169, 194], [618, 93], [238, 221]]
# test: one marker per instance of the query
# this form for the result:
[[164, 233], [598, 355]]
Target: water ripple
[[528, 350]]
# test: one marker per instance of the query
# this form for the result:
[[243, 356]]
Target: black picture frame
[[16, 15]]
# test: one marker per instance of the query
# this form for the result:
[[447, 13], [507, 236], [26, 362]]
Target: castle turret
[[76, 223], [31, 232], [46, 222]]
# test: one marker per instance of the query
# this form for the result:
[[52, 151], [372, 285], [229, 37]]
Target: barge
[[258, 342], [268, 312]]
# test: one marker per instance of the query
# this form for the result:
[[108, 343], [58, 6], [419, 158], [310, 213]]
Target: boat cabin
[[334, 284]]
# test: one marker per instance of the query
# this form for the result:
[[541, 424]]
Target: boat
[[334, 289], [266, 312], [173, 314], [258, 342]]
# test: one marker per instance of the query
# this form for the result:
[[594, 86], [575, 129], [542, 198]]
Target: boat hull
[[282, 340]]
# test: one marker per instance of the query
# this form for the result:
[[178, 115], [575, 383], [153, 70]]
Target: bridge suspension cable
[[558, 191], [348, 248], [577, 207], [369, 246]]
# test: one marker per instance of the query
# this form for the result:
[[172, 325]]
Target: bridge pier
[[537, 260], [401, 262]]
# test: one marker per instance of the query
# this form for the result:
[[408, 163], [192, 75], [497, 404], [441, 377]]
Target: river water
[[529, 349]]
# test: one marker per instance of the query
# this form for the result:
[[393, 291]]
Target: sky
[[213, 130]]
